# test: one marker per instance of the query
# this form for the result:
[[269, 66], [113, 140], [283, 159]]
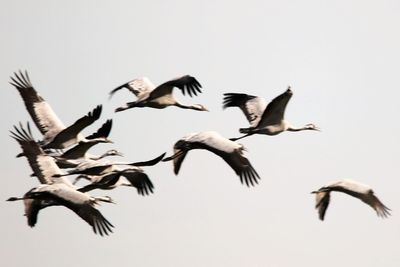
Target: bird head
[[114, 152], [313, 127], [199, 107]]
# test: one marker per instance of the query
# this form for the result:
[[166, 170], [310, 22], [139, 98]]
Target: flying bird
[[126, 177], [264, 118], [358, 190], [92, 167], [148, 95], [79, 153], [55, 134], [228, 150], [55, 191]]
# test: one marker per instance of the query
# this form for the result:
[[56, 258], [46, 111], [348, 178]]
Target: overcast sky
[[341, 59]]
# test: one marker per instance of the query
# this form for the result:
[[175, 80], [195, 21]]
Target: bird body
[[231, 152], [352, 188], [148, 95]]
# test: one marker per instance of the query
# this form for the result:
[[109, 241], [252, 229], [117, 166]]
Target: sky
[[341, 59]]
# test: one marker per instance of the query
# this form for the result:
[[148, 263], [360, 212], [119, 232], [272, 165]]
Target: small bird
[[126, 177], [55, 134], [228, 150], [91, 167], [55, 191], [263, 118], [358, 190], [148, 95]]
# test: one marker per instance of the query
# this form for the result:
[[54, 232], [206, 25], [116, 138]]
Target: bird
[[264, 118], [148, 95], [228, 150], [55, 134], [125, 177], [92, 167], [358, 190], [55, 191], [79, 153]]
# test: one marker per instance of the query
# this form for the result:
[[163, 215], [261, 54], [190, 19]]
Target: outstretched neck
[[309, 126], [293, 129], [194, 107]]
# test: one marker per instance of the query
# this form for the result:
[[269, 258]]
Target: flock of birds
[[64, 147]]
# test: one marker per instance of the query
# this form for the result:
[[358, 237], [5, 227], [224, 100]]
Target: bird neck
[[194, 107], [294, 129]]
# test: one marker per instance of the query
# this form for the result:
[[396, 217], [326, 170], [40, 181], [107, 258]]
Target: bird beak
[[109, 141], [176, 154], [119, 154]]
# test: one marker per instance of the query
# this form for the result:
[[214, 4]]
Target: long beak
[[109, 141], [174, 156]]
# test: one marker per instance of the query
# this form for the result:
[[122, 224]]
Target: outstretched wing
[[73, 130], [41, 112], [138, 87], [187, 84], [140, 181], [275, 111], [103, 131], [252, 106], [94, 217], [242, 166], [322, 200], [376, 204]]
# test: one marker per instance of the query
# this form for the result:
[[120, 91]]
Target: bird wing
[[79, 151], [41, 112], [228, 150], [106, 181], [81, 204], [322, 200], [139, 87], [243, 168], [140, 181], [186, 83], [362, 192], [376, 204], [252, 106], [43, 166], [32, 208], [94, 218], [274, 113], [103, 131], [73, 130]]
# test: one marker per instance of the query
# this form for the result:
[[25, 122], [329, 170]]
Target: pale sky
[[341, 59]]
